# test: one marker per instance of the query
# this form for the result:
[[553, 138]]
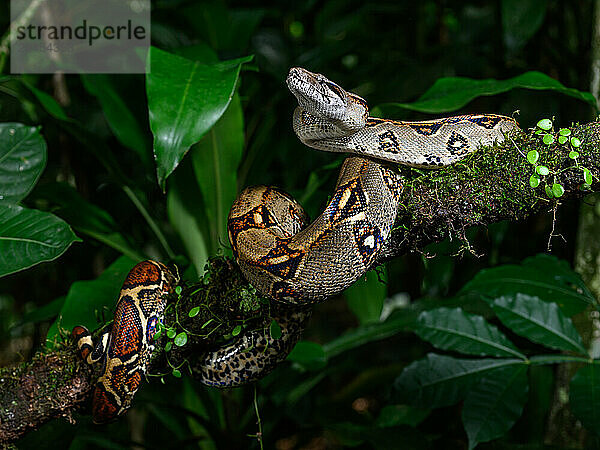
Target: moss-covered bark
[[488, 186]]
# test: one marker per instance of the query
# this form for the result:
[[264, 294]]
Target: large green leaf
[[309, 355], [22, 160], [399, 321], [88, 301], [451, 93], [215, 160], [495, 403], [365, 297], [29, 237], [561, 272], [584, 395], [542, 276], [121, 120], [520, 21], [439, 380], [51, 106], [85, 217], [185, 99], [185, 208], [453, 329], [539, 322]]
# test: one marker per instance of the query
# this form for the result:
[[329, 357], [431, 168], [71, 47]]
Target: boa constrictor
[[284, 257], [299, 264]]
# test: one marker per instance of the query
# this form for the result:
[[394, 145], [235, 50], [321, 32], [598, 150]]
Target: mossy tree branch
[[491, 185]]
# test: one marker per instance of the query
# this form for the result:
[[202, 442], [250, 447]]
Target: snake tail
[[126, 348]]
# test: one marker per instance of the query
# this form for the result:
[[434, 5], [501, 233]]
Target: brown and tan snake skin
[[298, 264]]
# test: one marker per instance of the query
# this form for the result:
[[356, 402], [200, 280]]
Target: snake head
[[324, 99], [318, 95]]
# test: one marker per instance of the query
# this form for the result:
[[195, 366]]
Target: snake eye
[[336, 89]]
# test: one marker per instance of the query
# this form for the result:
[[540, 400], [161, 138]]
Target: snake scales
[[297, 263]]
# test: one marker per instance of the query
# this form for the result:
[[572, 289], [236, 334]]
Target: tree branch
[[491, 185]]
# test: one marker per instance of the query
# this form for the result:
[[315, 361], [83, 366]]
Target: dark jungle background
[[334, 393]]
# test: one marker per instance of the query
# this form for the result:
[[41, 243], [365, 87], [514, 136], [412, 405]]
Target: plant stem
[[24, 17], [259, 435], [153, 225]]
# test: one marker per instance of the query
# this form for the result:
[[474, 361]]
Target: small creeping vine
[[542, 173]]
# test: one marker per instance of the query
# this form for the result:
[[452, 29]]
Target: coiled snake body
[[298, 264]]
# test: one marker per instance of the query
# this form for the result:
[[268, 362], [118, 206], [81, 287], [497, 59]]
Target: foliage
[[101, 171]]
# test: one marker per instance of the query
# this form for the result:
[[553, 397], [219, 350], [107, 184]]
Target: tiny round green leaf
[[533, 156], [575, 142], [587, 176], [275, 329], [181, 339], [548, 139], [168, 346], [545, 124], [171, 333], [558, 190], [542, 170], [176, 373], [194, 311], [549, 192], [573, 154], [237, 330], [178, 290], [562, 140], [564, 132], [534, 181]]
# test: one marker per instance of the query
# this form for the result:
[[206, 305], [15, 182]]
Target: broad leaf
[[88, 302], [308, 354], [439, 380], [584, 395], [121, 120], [29, 237], [365, 297], [399, 321], [538, 321], [215, 160], [85, 217], [453, 329], [541, 276], [22, 160], [560, 270], [451, 93], [495, 403], [186, 210], [51, 106], [185, 99]]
